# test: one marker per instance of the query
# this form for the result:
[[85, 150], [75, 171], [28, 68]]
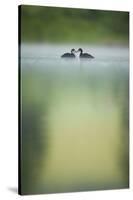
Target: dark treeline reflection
[[74, 127], [34, 145], [35, 138], [49, 24]]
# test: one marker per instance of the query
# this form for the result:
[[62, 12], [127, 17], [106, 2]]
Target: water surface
[[74, 118]]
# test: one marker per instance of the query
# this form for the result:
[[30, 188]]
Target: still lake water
[[74, 119]]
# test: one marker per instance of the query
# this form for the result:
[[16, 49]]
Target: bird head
[[80, 50], [73, 51]]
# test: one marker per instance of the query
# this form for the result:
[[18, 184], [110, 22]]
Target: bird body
[[86, 55], [68, 55]]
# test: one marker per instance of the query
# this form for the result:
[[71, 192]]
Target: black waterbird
[[69, 55], [84, 55]]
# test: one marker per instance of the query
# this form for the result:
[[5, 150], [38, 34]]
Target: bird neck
[[81, 52]]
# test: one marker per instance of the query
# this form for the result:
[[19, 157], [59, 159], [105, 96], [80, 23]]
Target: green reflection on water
[[74, 129]]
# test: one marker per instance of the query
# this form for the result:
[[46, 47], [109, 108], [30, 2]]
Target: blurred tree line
[[52, 24]]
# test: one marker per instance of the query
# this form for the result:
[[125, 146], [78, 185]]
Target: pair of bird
[[72, 54]]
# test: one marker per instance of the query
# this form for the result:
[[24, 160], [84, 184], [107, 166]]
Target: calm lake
[[74, 117]]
